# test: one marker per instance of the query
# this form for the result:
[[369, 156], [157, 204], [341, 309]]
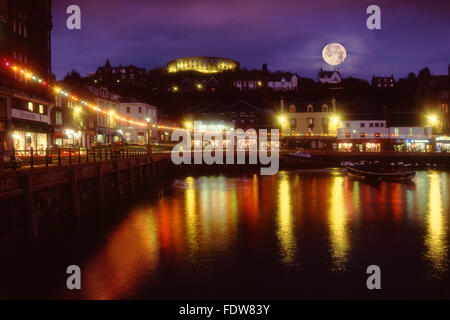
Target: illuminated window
[[41, 109], [58, 118], [30, 106], [4, 10]]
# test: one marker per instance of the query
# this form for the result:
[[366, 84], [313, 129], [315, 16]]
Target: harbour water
[[298, 234]]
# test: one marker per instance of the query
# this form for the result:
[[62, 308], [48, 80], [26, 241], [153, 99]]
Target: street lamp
[[188, 125], [335, 120], [433, 120], [149, 148]]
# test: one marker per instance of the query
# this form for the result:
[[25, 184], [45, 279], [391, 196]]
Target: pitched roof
[[243, 106], [327, 73], [214, 107]]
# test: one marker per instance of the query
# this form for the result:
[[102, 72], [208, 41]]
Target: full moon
[[334, 54]]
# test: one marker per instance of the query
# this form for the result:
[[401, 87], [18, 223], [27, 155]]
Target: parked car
[[301, 154], [7, 161]]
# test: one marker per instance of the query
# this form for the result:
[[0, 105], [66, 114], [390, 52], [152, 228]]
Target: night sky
[[287, 34]]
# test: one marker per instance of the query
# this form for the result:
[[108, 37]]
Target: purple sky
[[287, 34]]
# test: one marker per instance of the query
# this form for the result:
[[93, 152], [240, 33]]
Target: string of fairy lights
[[63, 92]]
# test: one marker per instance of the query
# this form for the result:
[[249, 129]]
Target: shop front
[[443, 144], [399, 145], [360, 146], [103, 136], [345, 146], [26, 136], [68, 138], [415, 145]]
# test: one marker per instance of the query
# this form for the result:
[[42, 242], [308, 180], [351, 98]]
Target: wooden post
[[147, 170], [75, 193], [101, 186], [31, 220], [133, 187], [118, 182], [141, 179], [31, 158], [154, 169], [46, 157]]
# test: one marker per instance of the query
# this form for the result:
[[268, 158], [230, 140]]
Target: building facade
[[330, 77], [309, 119], [120, 75], [309, 125], [107, 131], [139, 111], [284, 83], [74, 125], [24, 106], [383, 82], [375, 136]]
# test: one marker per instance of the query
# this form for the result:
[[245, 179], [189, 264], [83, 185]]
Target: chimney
[[333, 104], [282, 105]]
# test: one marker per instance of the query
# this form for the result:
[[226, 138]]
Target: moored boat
[[379, 174]]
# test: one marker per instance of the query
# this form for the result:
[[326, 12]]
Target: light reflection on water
[[338, 224], [218, 221], [436, 235], [285, 221]]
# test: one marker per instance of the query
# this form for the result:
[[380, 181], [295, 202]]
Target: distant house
[[285, 83], [244, 85], [130, 75], [325, 76], [383, 82]]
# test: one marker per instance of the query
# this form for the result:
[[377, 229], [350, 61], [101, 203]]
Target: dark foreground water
[[301, 234]]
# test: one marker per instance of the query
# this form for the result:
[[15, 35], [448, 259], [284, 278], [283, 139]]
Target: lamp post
[[149, 147]]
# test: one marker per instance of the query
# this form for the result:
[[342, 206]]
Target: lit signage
[[20, 114]]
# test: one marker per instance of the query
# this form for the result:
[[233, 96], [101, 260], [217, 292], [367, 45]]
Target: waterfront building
[[106, 123], [443, 144], [24, 106], [139, 111], [375, 136], [309, 124], [74, 126], [433, 98]]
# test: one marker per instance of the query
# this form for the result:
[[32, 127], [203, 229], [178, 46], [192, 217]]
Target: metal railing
[[15, 159]]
